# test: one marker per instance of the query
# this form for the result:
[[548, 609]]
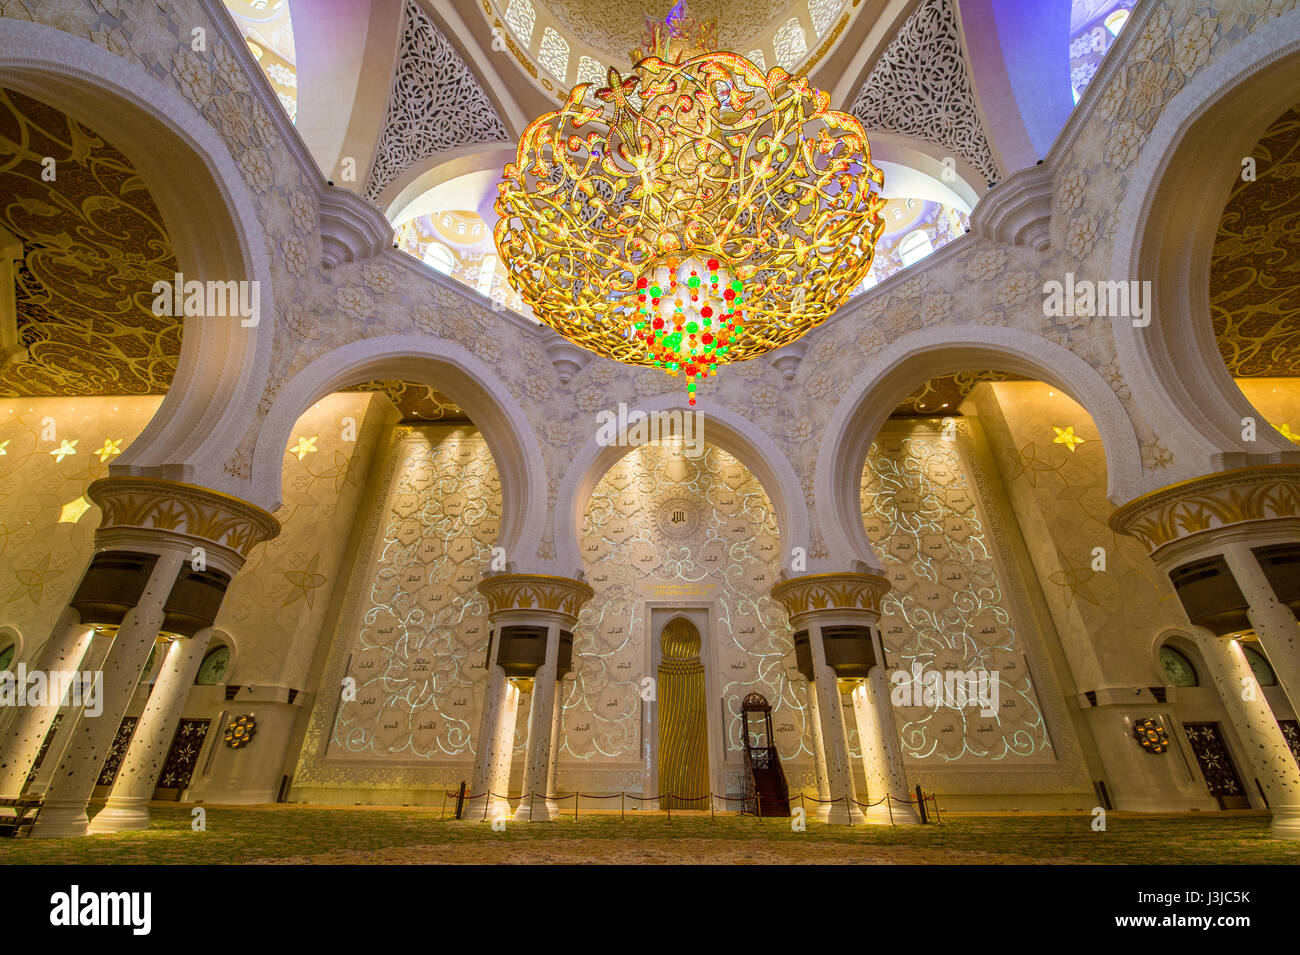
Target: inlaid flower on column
[[1081, 236], [1193, 43], [256, 169]]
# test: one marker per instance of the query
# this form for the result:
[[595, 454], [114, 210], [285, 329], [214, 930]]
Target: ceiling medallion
[[700, 213]]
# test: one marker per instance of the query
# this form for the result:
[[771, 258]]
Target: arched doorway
[[683, 719]]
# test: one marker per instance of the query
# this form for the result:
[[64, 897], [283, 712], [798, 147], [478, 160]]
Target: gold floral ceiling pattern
[[617, 26], [93, 245], [416, 402], [1255, 268]]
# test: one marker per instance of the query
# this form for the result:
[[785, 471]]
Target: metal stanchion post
[[890, 806]]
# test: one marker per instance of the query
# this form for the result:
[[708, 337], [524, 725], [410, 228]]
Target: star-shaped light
[[304, 447], [1284, 428], [109, 449], [1067, 437], [66, 448], [72, 511]]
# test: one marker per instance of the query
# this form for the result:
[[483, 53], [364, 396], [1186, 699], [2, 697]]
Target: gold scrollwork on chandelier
[[695, 213]]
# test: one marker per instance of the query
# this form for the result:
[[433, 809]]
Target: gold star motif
[[109, 449], [303, 583], [72, 511], [31, 583], [1285, 429], [1067, 437], [66, 448], [304, 447]]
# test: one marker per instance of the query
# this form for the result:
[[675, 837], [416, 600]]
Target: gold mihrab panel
[[632, 553], [1255, 268], [418, 649], [948, 607], [93, 245]]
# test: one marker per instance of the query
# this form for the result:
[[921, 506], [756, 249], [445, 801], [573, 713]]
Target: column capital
[[847, 592], [1214, 502], [131, 505], [559, 596]]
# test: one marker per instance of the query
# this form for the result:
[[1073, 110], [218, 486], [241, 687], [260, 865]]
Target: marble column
[[207, 539], [100, 641], [535, 602], [556, 725], [835, 740], [64, 811], [541, 729], [500, 702], [128, 802], [63, 652], [846, 601], [882, 754], [823, 808], [1274, 623], [1270, 759]]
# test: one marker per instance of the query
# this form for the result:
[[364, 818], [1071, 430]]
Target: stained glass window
[[1094, 25], [267, 29], [823, 14], [590, 71], [521, 17], [1262, 669], [1178, 669], [554, 54], [212, 670], [791, 45]]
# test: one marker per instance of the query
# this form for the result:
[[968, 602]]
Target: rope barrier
[[888, 799]]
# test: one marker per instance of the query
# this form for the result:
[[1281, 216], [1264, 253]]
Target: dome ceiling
[[617, 26]]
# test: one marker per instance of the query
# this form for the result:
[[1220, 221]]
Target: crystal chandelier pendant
[[689, 315]]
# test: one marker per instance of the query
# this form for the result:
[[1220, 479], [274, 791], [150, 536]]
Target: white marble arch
[[893, 373], [455, 372], [723, 428], [1170, 214], [347, 52], [444, 166], [211, 220]]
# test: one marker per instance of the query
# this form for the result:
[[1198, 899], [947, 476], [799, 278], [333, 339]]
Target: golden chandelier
[[699, 213]]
